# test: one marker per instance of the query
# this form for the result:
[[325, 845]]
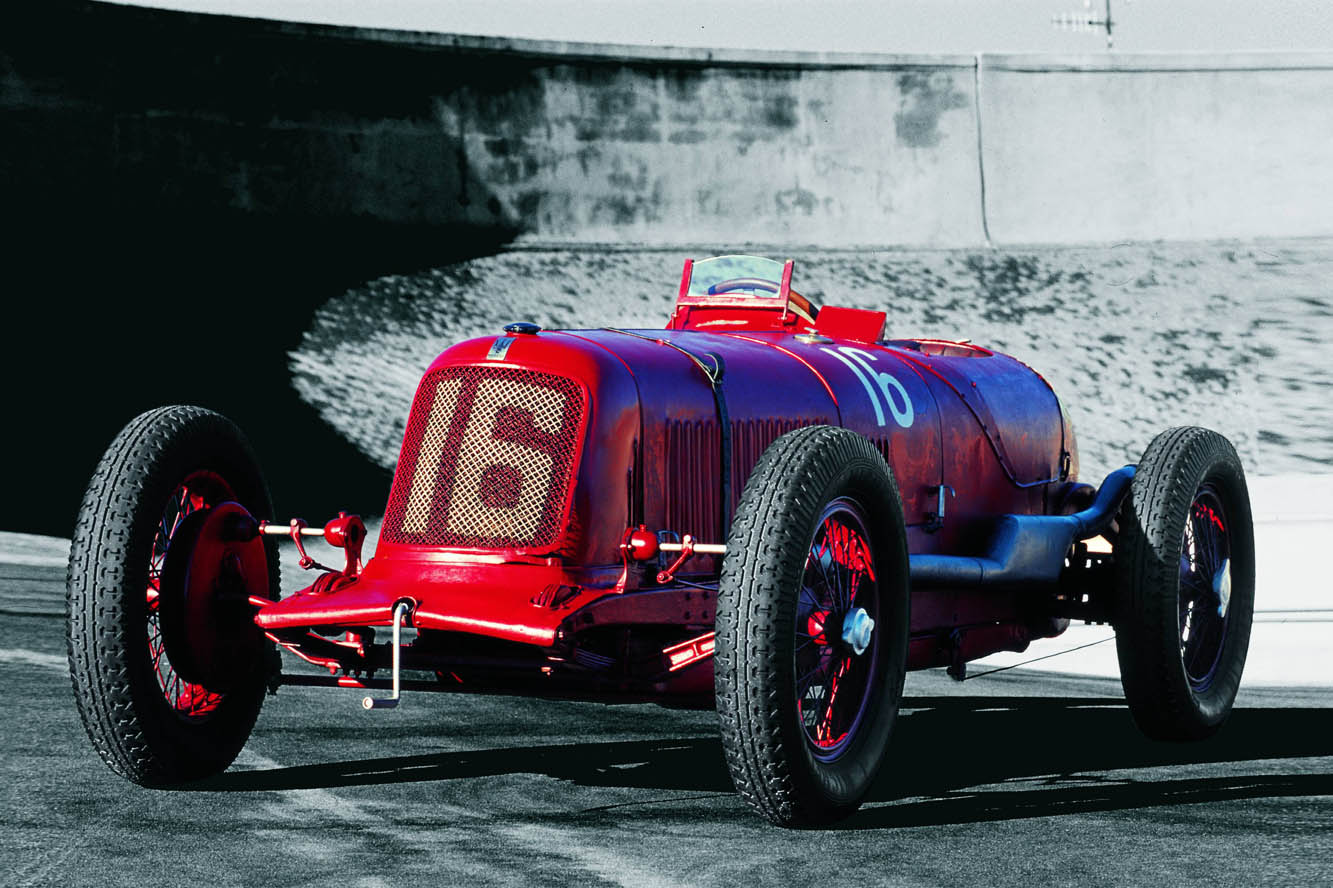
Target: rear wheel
[[812, 626], [168, 668], [1185, 571]]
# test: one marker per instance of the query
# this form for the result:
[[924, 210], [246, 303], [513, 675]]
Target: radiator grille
[[693, 476], [486, 460]]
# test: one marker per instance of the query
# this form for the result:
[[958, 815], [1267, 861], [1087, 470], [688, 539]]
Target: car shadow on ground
[[953, 760], [969, 760]]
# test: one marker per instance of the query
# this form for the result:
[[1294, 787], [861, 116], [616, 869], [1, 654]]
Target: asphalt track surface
[[1018, 778]]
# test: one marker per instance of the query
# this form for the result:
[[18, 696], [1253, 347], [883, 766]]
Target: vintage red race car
[[767, 507]]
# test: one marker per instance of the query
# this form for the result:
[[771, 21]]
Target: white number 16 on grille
[[501, 482]]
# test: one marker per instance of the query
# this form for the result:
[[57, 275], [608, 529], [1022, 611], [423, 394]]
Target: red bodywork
[[530, 456]]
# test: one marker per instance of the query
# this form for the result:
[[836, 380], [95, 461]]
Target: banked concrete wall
[[110, 107], [1147, 147]]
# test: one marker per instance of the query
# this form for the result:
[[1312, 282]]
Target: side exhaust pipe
[[1025, 550]]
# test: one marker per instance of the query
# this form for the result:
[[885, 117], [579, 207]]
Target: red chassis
[[729, 510]]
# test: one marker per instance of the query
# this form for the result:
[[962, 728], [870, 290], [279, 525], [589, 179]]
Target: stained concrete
[[1154, 146], [113, 108]]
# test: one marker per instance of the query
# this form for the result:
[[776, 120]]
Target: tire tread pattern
[[112, 537], [781, 499], [1152, 525]]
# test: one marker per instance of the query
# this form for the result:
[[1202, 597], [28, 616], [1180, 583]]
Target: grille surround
[[489, 460]]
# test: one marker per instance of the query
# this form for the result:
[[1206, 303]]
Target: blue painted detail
[[858, 360], [1026, 550], [523, 328]]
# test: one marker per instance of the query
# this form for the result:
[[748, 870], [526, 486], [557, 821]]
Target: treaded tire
[[1176, 467], [767, 751], [125, 711]]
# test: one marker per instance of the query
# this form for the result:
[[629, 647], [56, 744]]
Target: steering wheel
[[742, 284]]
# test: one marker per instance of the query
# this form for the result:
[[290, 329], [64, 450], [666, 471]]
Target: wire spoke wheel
[[812, 618], [834, 681], [1185, 584], [168, 675]]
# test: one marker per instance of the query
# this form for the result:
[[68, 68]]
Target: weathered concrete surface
[[183, 112], [755, 153], [119, 108], [1147, 147]]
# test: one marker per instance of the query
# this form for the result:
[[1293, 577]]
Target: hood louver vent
[[691, 495]]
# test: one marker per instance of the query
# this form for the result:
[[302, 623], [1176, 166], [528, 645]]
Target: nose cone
[[857, 629]]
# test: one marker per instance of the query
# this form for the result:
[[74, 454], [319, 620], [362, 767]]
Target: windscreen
[[739, 275]]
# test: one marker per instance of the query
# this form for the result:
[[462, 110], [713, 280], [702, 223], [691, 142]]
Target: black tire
[[784, 773], [151, 729], [1180, 639]]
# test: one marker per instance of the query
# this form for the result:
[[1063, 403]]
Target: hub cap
[[1222, 587], [856, 630], [836, 649]]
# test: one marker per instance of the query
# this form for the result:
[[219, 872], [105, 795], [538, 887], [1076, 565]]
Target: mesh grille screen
[[486, 459]]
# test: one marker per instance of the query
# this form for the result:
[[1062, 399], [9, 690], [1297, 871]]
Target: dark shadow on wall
[[110, 319], [181, 193]]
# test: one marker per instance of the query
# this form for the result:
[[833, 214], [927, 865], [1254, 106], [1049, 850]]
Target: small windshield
[[740, 275]]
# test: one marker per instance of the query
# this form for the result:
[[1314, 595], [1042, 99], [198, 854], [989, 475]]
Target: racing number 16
[[895, 396], [500, 482]]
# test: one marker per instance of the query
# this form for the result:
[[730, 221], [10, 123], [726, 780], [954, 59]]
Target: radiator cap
[[523, 328]]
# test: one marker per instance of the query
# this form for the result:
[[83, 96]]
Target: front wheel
[[812, 619], [1185, 576], [168, 668]]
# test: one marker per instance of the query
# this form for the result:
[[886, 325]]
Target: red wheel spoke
[[827, 721], [1206, 529]]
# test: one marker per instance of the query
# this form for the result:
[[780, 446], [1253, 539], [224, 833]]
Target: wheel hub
[[857, 628], [1222, 587], [211, 570]]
